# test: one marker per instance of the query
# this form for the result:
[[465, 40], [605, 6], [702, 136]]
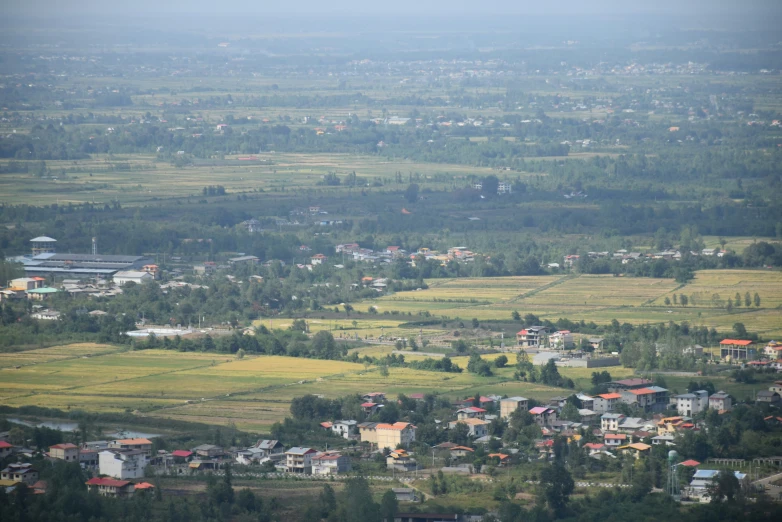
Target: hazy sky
[[446, 8]]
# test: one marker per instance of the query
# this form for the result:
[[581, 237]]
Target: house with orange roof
[[504, 459], [614, 440], [461, 451], [642, 398], [669, 425], [606, 402], [141, 444], [396, 434], [733, 349], [637, 449]]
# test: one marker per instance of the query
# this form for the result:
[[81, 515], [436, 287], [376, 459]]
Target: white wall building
[[688, 404], [132, 276], [122, 464]]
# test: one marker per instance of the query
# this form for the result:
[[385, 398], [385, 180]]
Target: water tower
[[672, 486]]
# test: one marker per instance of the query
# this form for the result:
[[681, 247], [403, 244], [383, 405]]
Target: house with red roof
[[6, 449], [531, 336], [461, 451], [690, 463], [330, 463], [182, 456], [109, 487]]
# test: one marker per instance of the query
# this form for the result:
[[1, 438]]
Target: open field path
[[534, 291]]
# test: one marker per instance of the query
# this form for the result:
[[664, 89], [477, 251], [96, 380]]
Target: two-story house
[[140, 444], [330, 463], [475, 427], [344, 428], [23, 472], [606, 402], [65, 451], [531, 336]]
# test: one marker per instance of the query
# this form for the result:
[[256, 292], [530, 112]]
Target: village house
[[610, 421], [642, 398], [773, 350], [460, 451], [370, 407], [512, 404], [65, 451], [344, 428], [471, 413], [299, 460], [23, 472], [400, 460], [108, 487], [720, 401], [688, 404], [144, 445], [531, 336], [405, 494], [767, 397], [606, 402], [543, 416], [669, 425], [637, 449], [6, 448], [776, 387], [318, 259], [629, 384], [394, 435], [475, 427], [561, 340], [330, 463], [587, 401], [614, 440], [208, 450], [122, 464]]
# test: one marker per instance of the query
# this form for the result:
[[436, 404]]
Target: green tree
[[757, 300], [411, 193], [389, 506], [747, 299], [501, 361], [558, 485], [725, 487]]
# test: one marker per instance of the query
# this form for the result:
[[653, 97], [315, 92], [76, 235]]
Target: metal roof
[[43, 239]]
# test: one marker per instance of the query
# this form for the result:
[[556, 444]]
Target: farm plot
[[116, 370], [712, 288], [44, 355]]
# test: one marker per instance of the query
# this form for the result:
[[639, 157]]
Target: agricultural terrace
[[600, 298]]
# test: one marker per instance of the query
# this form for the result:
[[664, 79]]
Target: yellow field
[[43, 355], [252, 393], [600, 299]]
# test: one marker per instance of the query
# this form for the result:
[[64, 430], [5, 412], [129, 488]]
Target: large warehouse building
[[45, 261]]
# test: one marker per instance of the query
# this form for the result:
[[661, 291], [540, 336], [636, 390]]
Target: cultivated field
[[251, 393], [601, 299], [138, 178]]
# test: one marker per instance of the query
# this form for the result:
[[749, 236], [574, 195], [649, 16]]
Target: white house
[[122, 464], [720, 401], [330, 463], [344, 428], [132, 276], [561, 339], [688, 404]]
